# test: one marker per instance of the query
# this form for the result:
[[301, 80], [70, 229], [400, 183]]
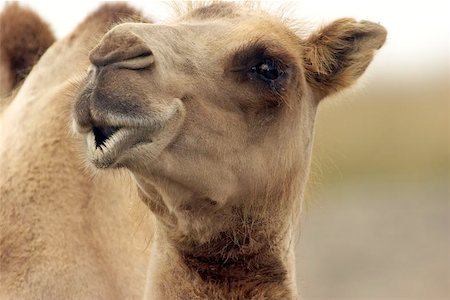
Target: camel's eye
[[266, 70]]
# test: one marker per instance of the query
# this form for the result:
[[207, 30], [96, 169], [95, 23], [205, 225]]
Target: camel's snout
[[123, 50]]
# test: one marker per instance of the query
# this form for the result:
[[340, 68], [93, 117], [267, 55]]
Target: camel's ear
[[336, 55]]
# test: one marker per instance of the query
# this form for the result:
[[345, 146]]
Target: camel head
[[213, 113]]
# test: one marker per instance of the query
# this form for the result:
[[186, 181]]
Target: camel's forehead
[[232, 22], [214, 10], [248, 14]]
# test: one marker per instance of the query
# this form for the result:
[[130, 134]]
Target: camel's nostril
[[123, 50], [139, 62]]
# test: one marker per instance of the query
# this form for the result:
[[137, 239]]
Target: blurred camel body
[[185, 176]]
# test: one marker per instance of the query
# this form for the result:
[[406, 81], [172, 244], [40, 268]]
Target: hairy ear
[[336, 55]]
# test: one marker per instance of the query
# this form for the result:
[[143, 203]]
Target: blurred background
[[376, 219]]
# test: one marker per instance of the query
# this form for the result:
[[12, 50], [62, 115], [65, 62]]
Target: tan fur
[[216, 169]]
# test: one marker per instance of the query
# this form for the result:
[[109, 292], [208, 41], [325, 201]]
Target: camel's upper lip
[[106, 144]]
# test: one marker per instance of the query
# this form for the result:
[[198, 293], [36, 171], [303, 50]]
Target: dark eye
[[267, 70]]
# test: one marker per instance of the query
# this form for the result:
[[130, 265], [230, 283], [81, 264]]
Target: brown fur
[[24, 37], [217, 155]]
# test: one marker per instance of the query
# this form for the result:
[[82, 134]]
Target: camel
[[163, 161]]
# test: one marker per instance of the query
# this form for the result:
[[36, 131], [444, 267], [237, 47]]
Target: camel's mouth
[[115, 139], [102, 134], [107, 144]]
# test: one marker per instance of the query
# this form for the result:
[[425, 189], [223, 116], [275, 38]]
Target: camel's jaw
[[106, 146]]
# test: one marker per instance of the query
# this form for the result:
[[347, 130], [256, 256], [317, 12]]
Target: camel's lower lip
[[106, 145]]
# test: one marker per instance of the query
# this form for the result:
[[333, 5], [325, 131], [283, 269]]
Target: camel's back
[[62, 234]]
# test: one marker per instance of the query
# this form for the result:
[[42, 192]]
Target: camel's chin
[[108, 150]]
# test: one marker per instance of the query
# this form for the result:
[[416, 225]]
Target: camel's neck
[[219, 269], [240, 251]]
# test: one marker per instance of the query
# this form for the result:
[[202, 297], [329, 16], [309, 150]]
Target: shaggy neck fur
[[197, 273], [248, 257]]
